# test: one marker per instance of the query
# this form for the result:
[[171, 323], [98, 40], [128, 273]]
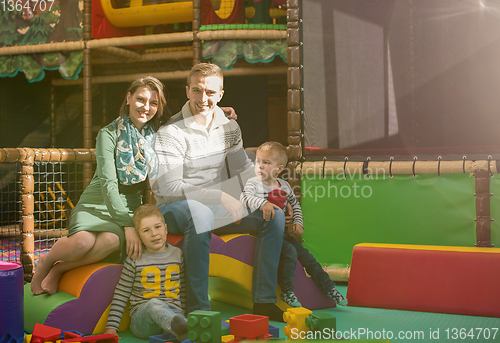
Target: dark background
[[26, 105], [402, 74]]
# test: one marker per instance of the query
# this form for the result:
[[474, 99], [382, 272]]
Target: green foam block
[[38, 307]]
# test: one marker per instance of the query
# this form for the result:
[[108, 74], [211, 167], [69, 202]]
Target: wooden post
[[52, 116], [294, 80], [483, 219], [196, 29], [27, 208], [87, 89], [294, 96]]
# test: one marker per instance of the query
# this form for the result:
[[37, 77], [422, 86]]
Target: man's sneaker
[[339, 298], [290, 298]]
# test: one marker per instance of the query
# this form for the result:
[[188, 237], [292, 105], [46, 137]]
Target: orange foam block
[[454, 280]]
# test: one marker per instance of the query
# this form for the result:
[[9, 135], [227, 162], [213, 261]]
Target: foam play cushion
[[442, 279], [231, 259], [84, 295]]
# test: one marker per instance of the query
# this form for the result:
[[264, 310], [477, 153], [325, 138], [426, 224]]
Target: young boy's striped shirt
[[255, 194], [156, 275]]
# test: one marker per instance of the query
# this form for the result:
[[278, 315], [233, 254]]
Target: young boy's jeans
[[152, 317], [195, 221], [292, 251]]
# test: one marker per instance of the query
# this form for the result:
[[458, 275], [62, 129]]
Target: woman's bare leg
[[69, 248], [105, 244]]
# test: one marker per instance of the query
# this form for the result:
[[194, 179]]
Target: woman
[[100, 226]]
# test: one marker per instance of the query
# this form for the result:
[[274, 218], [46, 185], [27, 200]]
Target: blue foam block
[[9, 338], [274, 330], [73, 331], [165, 337]]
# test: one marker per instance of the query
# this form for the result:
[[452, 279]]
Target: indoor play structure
[[149, 15], [406, 219]]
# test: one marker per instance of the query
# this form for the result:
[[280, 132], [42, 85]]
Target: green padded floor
[[414, 326]]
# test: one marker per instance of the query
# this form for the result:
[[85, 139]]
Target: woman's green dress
[[105, 205]]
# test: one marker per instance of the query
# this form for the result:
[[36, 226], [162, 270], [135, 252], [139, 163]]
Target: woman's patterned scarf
[[135, 156]]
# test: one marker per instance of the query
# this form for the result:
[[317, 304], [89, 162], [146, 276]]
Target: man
[[201, 159]]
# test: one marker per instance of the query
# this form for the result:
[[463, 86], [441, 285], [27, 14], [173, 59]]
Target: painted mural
[[32, 22]]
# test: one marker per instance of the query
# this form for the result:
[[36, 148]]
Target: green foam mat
[[417, 325], [375, 322], [370, 324], [38, 307]]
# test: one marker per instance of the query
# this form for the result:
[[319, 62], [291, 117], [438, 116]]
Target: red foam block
[[248, 326], [104, 338], [44, 333], [454, 280]]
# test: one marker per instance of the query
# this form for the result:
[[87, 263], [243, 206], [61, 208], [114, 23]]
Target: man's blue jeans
[[185, 218]]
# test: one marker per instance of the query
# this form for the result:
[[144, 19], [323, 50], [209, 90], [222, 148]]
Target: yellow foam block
[[227, 338], [240, 273], [228, 268], [101, 324], [295, 319], [228, 237]]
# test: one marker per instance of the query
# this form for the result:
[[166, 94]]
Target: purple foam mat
[[240, 248], [308, 293], [83, 314]]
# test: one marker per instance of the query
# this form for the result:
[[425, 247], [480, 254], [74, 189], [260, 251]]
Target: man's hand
[[288, 214], [229, 112], [268, 211], [112, 332], [297, 230], [134, 244], [233, 206]]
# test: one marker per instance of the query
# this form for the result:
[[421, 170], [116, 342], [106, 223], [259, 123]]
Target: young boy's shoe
[[290, 298], [180, 328], [339, 298]]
